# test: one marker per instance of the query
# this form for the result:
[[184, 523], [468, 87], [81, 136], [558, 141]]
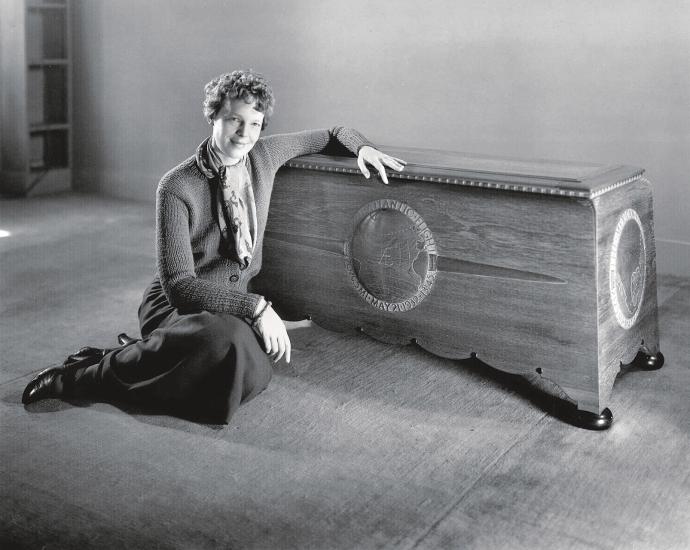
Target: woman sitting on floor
[[207, 341]]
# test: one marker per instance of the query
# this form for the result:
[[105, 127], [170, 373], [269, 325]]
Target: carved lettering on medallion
[[391, 256]]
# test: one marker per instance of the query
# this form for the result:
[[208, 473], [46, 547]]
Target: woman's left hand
[[369, 155]]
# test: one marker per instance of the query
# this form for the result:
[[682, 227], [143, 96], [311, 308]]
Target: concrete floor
[[356, 445]]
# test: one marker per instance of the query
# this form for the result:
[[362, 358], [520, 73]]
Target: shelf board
[[38, 63], [46, 8], [35, 167], [39, 6], [49, 127]]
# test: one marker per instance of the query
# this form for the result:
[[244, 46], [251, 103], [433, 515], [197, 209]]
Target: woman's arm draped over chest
[[280, 148]]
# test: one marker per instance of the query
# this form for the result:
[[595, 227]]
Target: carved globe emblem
[[627, 268], [388, 255], [391, 256]]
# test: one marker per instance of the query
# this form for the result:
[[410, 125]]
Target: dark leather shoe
[[43, 386], [85, 357], [125, 340]]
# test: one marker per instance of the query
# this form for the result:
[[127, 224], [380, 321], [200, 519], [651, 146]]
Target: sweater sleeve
[[176, 266], [283, 147]]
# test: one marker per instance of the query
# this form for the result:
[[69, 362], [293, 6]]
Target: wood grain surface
[[521, 279]]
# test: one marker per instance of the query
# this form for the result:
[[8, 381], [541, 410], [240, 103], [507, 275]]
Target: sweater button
[[234, 278]]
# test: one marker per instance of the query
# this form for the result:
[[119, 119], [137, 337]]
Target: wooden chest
[[529, 266]]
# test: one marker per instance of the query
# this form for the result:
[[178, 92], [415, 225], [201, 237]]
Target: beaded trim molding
[[474, 183], [612, 186]]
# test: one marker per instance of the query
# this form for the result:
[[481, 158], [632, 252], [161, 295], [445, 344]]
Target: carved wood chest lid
[[573, 179]]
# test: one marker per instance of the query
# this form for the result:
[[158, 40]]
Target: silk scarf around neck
[[235, 205]]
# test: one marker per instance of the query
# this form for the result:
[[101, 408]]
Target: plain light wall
[[587, 81]]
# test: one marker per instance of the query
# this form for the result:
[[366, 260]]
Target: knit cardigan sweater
[[194, 269]]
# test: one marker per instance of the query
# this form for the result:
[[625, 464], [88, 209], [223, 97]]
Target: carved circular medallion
[[391, 256], [627, 268]]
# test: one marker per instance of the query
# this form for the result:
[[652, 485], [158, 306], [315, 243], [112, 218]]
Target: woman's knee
[[257, 377], [218, 334], [209, 335]]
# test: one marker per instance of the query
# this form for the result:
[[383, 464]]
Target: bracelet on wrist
[[258, 316]]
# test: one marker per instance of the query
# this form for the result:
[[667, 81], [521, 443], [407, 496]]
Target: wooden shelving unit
[[36, 106]]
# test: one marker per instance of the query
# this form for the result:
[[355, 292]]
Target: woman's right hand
[[276, 340]]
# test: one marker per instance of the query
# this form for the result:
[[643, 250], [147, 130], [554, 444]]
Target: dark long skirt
[[200, 365]]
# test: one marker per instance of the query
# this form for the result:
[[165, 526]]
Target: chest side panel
[[626, 276]]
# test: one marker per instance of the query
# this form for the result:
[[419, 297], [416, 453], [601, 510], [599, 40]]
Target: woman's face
[[236, 128]]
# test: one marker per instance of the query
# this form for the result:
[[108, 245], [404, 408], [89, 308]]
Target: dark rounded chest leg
[[592, 421]]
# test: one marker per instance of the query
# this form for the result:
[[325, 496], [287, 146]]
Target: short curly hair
[[243, 84]]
